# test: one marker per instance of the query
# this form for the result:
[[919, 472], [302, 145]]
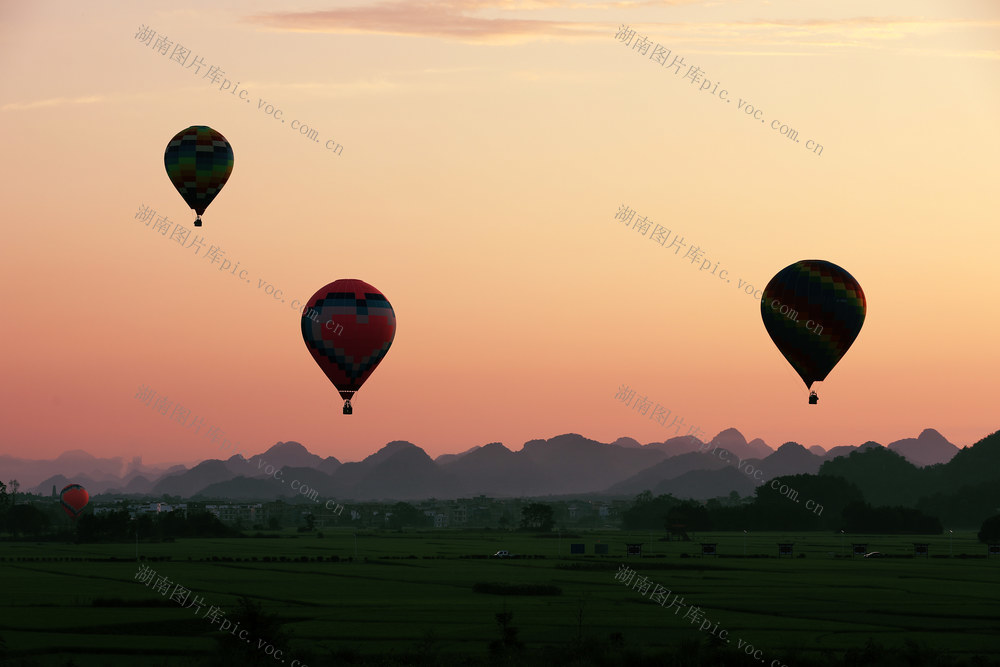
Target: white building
[[156, 508], [231, 513]]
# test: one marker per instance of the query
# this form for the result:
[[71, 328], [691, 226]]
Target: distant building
[[440, 520], [156, 508], [234, 513]]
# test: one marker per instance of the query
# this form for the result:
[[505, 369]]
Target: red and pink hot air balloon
[[74, 498], [348, 327]]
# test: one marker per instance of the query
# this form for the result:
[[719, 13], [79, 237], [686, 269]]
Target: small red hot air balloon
[[74, 498], [348, 327]]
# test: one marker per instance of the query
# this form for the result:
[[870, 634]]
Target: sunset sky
[[486, 148]]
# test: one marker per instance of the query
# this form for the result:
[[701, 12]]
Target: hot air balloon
[[198, 161], [348, 327], [806, 292], [74, 498]]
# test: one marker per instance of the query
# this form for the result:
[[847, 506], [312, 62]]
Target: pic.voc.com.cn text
[[661, 55], [216, 75], [695, 254]]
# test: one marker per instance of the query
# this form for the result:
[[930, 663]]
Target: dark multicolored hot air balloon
[[74, 498], [348, 327], [198, 161], [829, 309]]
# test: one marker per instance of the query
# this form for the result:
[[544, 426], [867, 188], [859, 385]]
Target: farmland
[[409, 596]]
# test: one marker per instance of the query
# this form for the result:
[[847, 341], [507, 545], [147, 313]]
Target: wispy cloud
[[323, 89], [769, 37], [493, 21], [52, 102], [450, 19], [337, 89], [102, 98]]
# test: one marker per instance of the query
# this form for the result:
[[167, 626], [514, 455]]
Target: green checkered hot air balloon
[[813, 311], [198, 161]]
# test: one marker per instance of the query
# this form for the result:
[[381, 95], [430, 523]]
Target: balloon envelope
[[199, 161], [73, 499], [348, 327], [828, 295]]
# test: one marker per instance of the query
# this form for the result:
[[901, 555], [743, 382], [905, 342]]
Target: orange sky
[[486, 150]]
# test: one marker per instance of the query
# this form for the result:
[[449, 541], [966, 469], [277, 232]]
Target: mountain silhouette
[[571, 463], [562, 465], [733, 440], [494, 470], [884, 477], [705, 484], [448, 458], [669, 469], [790, 459], [190, 482], [398, 471], [627, 442], [928, 448], [291, 454]]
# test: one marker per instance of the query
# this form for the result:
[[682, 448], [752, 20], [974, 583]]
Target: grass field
[[415, 595]]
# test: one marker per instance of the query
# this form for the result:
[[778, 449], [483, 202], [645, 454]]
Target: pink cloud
[[449, 19]]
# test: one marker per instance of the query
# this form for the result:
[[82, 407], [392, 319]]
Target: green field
[[414, 596]]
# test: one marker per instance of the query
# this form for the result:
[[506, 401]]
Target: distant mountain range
[[567, 464]]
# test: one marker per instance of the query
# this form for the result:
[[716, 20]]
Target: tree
[[405, 514], [310, 522], [689, 515], [537, 516], [14, 486], [4, 504], [783, 503], [507, 649], [882, 475], [860, 517], [964, 506], [990, 530], [26, 519], [648, 513], [263, 627]]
